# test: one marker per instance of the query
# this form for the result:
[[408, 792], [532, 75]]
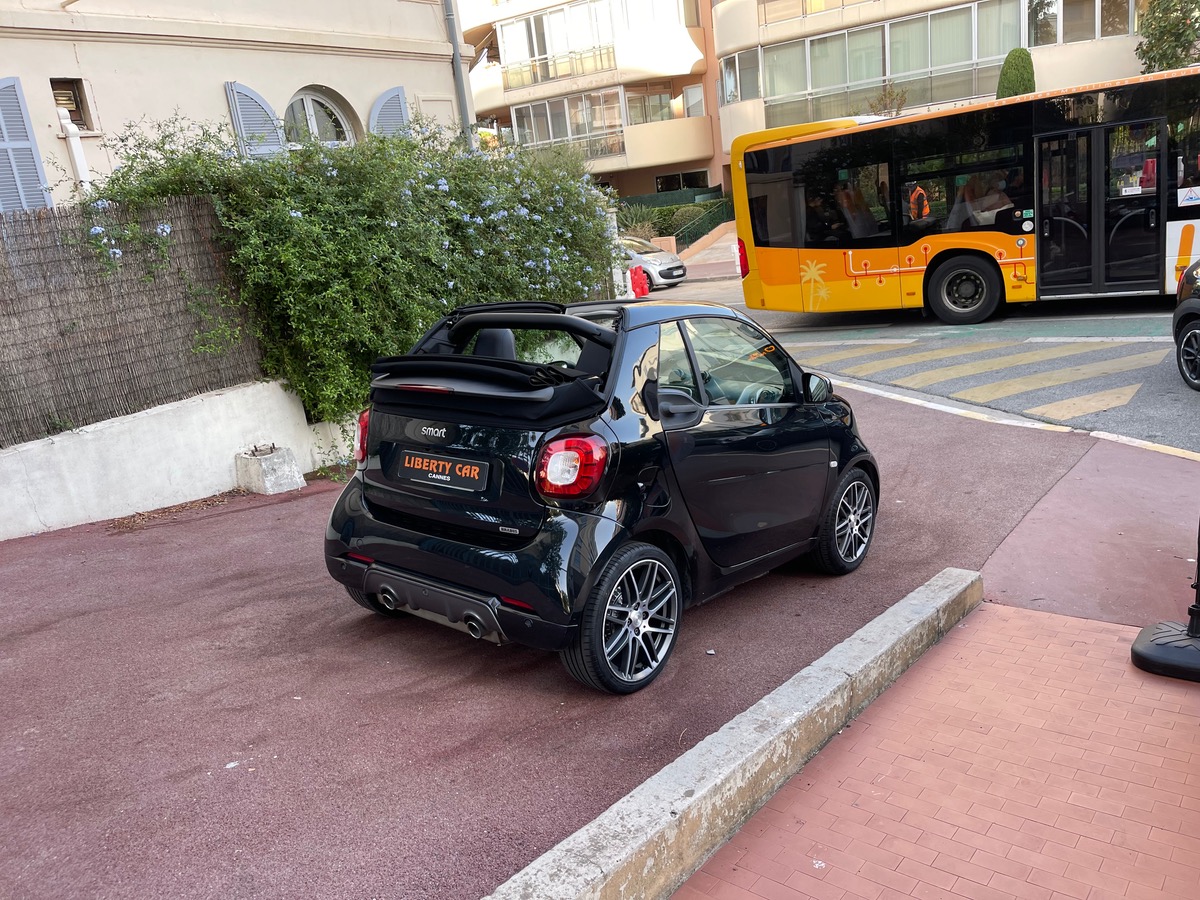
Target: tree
[[889, 101], [1170, 32], [1016, 75]]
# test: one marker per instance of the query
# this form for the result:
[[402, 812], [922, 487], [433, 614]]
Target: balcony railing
[[595, 146], [939, 86], [551, 68]]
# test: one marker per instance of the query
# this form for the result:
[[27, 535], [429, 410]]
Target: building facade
[[624, 77], [73, 72], [783, 62], [628, 81]]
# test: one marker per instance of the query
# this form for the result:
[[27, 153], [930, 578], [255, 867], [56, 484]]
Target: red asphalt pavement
[[193, 708]]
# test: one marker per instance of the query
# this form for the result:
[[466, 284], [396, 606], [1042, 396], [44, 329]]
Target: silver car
[[664, 269]]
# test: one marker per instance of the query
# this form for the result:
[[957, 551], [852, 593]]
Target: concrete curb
[[658, 834]]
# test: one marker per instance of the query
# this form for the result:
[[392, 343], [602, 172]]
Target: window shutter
[[389, 114], [254, 122], [22, 178]]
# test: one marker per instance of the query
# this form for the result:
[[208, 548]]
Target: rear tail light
[[360, 436], [571, 467], [743, 260]]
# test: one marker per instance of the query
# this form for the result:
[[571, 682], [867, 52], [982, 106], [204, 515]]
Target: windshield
[[637, 245]]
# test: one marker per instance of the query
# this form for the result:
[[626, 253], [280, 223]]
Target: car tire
[[964, 290], [630, 622], [847, 526], [368, 601], [1187, 354]]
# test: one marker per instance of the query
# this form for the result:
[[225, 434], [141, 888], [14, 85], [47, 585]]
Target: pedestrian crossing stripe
[[848, 353], [994, 364], [1074, 407], [894, 362], [1000, 389]]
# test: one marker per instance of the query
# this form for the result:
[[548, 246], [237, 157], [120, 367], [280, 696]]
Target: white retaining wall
[[159, 457]]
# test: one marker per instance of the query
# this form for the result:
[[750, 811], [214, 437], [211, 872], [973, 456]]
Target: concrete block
[[268, 470], [650, 840]]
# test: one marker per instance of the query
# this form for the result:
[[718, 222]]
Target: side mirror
[[818, 388]]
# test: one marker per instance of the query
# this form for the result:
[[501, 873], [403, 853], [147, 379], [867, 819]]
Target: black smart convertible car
[[1185, 326], [572, 478]]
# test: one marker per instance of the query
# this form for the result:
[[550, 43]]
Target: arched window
[[316, 116]]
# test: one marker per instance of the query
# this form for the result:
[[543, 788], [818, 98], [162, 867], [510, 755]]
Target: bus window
[[854, 210], [774, 200]]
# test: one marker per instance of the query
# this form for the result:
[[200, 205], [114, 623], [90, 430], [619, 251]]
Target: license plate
[[446, 471]]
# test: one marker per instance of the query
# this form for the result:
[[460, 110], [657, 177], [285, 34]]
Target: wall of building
[[1088, 62], [160, 457], [146, 60]]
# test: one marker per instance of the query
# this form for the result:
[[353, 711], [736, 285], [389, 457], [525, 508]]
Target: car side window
[[674, 365], [739, 364]]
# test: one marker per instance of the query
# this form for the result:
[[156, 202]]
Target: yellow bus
[[1081, 193]]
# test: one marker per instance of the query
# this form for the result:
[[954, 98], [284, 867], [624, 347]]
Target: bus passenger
[[978, 201], [918, 202], [858, 214]]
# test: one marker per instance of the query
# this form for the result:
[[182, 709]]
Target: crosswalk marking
[[1012, 386], [823, 358], [978, 367], [1074, 407], [894, 362]]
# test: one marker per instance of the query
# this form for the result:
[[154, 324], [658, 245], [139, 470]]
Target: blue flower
[[453, 204], [478, 252], [450, 284], [95, 230], [162, 229], [486, 203], [478, 220], [522, 211], [392, 223], [536, 217], [442, 185], [445, 245], [101, 204], [295, 214], [115, 252]]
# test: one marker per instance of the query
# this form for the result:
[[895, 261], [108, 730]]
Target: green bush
[[638, 221], [684, 216], [1016, 75], [344, 254]]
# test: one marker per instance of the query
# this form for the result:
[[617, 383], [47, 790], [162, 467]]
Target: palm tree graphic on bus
[[810, 274]]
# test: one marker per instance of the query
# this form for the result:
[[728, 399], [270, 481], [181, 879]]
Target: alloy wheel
[[640, 619], [855, 519]]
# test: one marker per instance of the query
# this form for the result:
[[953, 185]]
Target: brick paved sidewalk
[[1022, 757]]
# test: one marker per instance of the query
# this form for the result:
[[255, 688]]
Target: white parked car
[[662, 268]]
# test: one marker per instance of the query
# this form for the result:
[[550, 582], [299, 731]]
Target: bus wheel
[[964, 291]]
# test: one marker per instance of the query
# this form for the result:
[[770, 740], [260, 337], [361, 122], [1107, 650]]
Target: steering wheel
[[758, 393]]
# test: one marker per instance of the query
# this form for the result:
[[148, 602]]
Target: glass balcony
[[553, 68]]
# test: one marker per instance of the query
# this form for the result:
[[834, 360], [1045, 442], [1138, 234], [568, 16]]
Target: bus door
[[1100, 206]]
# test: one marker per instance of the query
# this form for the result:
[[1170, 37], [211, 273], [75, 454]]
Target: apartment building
[[73, 72], [788, 61], [629, 81], [625, 77]]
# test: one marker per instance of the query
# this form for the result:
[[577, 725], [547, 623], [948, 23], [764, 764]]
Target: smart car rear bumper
[[528, 595]]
